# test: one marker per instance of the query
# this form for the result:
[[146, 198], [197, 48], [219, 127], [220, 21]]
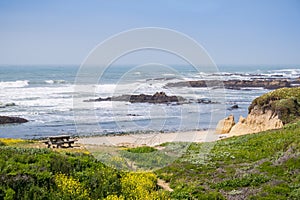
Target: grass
[[144, 149], [257, 166]]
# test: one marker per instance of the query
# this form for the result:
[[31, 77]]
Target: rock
[[10, 104], [225, 125], [158, 97], [256, 121], [242, 119], [296, 82], [133, 115], [270, 111], [235, 84], [2, 105], [206, 101], [284, 103], [235, 106], [9, 120]]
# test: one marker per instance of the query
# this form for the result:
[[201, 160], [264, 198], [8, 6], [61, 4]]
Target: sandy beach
[[150, 139]]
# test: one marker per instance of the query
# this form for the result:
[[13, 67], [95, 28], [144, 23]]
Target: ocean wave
[[14, 84], [282, 73], [292, 71], [55, 81], [288, 73]]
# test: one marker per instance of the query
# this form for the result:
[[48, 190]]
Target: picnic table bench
[[59, 141]]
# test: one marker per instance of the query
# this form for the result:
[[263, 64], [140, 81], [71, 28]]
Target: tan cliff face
[[256, 121], [225, 125], [269, 111]]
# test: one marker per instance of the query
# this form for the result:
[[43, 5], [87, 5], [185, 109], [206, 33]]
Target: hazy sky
[[247, 32]]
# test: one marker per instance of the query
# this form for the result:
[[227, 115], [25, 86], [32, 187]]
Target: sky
[[233, 32]]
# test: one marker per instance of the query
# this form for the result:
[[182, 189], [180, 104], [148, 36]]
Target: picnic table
[[59, 141]]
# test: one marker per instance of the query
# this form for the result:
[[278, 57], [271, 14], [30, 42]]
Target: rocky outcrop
[[10, 120], [269, 111], [284, 103], [255, 122], [157, 98], [236, 84], [225, 125]]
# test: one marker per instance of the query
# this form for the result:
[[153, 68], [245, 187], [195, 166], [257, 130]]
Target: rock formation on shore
[[10, 120], [236, 84], [269, 111], [255, 122], [225, 125]]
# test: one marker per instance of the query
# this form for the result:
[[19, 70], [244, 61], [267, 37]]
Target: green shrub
[[246, 181], [2, 143], [144, 149]]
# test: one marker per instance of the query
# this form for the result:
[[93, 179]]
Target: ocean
[[45, 96]]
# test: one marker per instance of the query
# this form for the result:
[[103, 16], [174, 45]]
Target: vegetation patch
[[144, 149], [33, 173], [256, 166], [10, 141], [284, 102]]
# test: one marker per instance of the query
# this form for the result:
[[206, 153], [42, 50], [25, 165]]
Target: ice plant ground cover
[[256, 166]]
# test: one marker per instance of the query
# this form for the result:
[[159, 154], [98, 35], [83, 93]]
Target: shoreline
[[150, 139]]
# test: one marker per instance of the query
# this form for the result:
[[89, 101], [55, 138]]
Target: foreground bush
[[27, 173]]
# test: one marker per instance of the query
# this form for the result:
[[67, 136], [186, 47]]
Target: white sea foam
[[14, 84], [286, 73], [49, 81], [105, 88], [55, 81]]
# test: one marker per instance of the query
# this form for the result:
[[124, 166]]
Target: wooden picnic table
[[58, 141]]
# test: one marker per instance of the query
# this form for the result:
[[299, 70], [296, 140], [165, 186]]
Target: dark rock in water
[[6, 105], [297, 81], [11, 120], [158, 97], [235, 84], [10, 104], [133, 115], [206, 101], [235, 106], [199, 83]]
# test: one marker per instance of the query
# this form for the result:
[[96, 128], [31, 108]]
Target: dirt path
[[164, 185]]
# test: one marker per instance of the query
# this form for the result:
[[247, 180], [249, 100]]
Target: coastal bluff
[[270, 111]]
